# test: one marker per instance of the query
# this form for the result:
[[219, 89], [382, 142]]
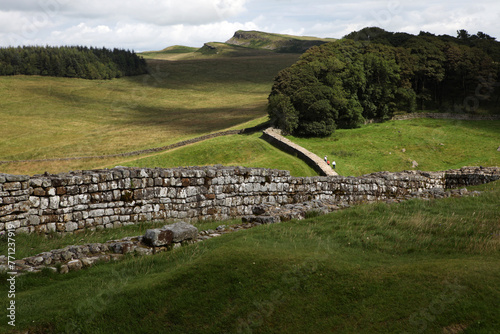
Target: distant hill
[[242, 44], [275, 42]]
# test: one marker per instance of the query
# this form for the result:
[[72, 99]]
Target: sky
[[146, 25]]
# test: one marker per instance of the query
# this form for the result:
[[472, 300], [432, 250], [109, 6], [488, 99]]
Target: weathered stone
[[71, 226], [74, 265], [158, 237], [12, 186], [89, 261], [143, 251], [200, 193], [181, 231]]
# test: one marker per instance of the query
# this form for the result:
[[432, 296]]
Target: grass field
[[237, 150], [392, 146], [45, 117], [414, 267]]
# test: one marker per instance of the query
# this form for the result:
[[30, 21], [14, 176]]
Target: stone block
[[74, 265], [12, 186], [54, 202], [182, 231], [169, 234], [34, 220], [158, 237], [16, 178]]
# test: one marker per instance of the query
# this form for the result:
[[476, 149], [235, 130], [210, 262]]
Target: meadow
[[413, 267], [393, 146], [44, 117], [188, 94]]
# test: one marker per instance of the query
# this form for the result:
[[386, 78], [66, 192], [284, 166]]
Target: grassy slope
[[412, 267], [238, 150], [278, 42], [433, 144], [58, 117]]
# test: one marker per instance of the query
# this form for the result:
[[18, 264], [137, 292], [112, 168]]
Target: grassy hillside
[[275, 42], [242, 44], [413, 267], [175, 50], [237, 150], [393, 146], [45, 117], [434, 144]]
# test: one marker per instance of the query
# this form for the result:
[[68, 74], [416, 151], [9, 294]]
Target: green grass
[[235, 150], [279, 42], [433, 144], [45, 117], [32, 244], [175, 49], [413, 267]]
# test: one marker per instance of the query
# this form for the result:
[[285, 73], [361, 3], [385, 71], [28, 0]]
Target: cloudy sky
[[155, 24]]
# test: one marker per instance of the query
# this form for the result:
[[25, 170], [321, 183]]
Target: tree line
[[70, 61], [373, 73]]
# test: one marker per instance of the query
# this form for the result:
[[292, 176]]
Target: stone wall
[[99, 199], [274, 137], [456, 116]]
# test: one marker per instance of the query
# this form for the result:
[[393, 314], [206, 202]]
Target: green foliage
[[73, 62], [339, 84], [448, 72], [371, 74]]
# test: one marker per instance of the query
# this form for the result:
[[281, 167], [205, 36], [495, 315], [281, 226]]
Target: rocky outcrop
[[275, 42]]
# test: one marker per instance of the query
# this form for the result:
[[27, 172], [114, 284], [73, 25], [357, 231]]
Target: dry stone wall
[[274, 137], [98, 199], [456, 116]]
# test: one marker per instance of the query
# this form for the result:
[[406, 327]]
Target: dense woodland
[[372, 74], [73, 62]]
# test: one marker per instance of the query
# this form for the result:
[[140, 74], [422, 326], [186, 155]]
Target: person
[[334, 164], [326, 158], [328, 162]]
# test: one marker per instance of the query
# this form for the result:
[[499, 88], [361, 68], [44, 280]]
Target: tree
[[339, 84], [463, 34], [79, 61]]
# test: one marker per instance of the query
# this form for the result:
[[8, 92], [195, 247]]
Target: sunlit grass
[[234, 150], [44, 117], [393, 146]]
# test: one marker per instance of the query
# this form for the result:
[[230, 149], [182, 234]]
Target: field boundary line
[[150, 150]]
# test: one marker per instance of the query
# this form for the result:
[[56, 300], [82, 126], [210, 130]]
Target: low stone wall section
[[274, 137], [98, 199], [456, 116]]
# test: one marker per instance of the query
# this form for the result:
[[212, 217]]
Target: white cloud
[[141, 36], [159, 12], [155, 24]]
